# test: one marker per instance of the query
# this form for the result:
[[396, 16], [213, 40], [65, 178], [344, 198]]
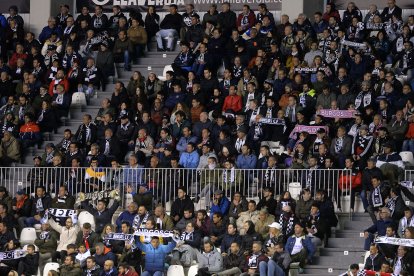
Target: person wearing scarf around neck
[[405, 221], [254, 259], [287, 220], [379, 227], [316, 225], [377, 197]]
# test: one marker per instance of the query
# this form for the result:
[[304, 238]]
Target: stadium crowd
[[238, 80]]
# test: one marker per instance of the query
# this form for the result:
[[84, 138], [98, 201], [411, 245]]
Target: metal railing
[[163, 182]]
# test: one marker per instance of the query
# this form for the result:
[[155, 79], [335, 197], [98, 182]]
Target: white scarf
[[232, 175]]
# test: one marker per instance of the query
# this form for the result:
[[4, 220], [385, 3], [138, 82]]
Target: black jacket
[[101, 218], [46, 204], [374, 263], [171, 21], [367, 175], [179, 206], [227, 22], [234, 260]]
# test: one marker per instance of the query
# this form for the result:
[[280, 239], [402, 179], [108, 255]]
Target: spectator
[[47, 243], [30, 263], [10, 149], [92, 267], [375, 259], [210, 260], [88, 238], [169, 27], [101, 214], [138, 37], [302, 251], [155, 255]]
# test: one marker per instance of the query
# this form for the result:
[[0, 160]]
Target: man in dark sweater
[[227, 19], [169, 28], [370, 171], [103, 215]]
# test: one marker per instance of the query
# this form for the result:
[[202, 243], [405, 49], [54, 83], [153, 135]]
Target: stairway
[[344, 248], [153, 61]]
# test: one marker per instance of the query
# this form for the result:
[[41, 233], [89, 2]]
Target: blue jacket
[[175, 98], [306, 242], [133, 176], [189, 160], [182, 144], [223, 207], [246, 161], [125, 216], [155, 257], [47, 31], [380, 227], [3, 21]]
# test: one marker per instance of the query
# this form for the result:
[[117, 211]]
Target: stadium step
[[344, 249]]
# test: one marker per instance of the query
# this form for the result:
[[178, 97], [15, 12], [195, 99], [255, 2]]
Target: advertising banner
[[364, 4], [162, 5], [22, 5]]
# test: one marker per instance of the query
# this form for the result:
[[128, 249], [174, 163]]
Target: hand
[[366, 234], [37, 217], [224, 254], [129, 189], [251, 271]]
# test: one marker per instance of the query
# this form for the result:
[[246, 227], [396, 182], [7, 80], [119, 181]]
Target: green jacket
[[47, 245]]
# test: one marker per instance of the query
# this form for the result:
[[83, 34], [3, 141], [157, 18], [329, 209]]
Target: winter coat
[[155, 257], [104, 217], [67, 236]]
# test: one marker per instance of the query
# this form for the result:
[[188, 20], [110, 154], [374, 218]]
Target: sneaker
[[160, 49]]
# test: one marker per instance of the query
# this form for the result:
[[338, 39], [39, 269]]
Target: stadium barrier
[[163, 182]]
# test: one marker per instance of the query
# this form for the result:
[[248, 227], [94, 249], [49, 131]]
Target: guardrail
[[163, 182]]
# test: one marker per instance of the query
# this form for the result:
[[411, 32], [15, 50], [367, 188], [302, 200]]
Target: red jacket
[[410, 131], [233, 102], [344, 181], [53, 84], [14, 58], [130, 272], [251, 20]]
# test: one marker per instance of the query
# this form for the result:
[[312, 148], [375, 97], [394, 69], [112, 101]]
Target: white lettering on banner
[[394, 241], [100, 2]]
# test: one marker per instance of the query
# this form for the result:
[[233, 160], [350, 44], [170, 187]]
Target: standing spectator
[[152, 24], [227, 19], [99, 21], [155, 254]]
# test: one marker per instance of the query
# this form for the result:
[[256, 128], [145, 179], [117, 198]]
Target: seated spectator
[[186, 249], [169, 28], [217, 229], [88, 238], [6, 234], [238, 205], [69, 266], [102, 255], [304, 204], [187, 218], [47, 120], [375, 259], [47, 243], [233, 261], [221, 204], [40, 203], [9, 149], [29, 264], [127, 215], [254, 260], [262, 225], [250, 237], [379, 227], [138, 37], [181, 203], [141, 218], [209, 260], [29, 132], [390, 162], [300, 247], [184, 61], [316, 226], [278, 263], [230, 237], [275, 235], [92, 267]]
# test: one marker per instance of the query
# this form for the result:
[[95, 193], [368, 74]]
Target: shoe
[[169, 50], [160, 49]]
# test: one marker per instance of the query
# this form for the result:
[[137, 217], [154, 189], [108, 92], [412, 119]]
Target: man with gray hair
[[101, 257], [127, 215]]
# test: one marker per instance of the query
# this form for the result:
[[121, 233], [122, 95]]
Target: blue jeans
[[368, 241], [152, 273], [127, 60], [169, 34], [30, 222], [271, 268], [364, 199], [408, 145], [198, 69]]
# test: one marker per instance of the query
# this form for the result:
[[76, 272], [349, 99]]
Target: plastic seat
[[407, 156], [175, 270], [164, 72], [294, 189], [193, 270], [86, 217], [78, 99], [28, 235], [50, 266]]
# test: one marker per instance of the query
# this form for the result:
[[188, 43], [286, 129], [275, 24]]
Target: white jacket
[[67, 236]]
